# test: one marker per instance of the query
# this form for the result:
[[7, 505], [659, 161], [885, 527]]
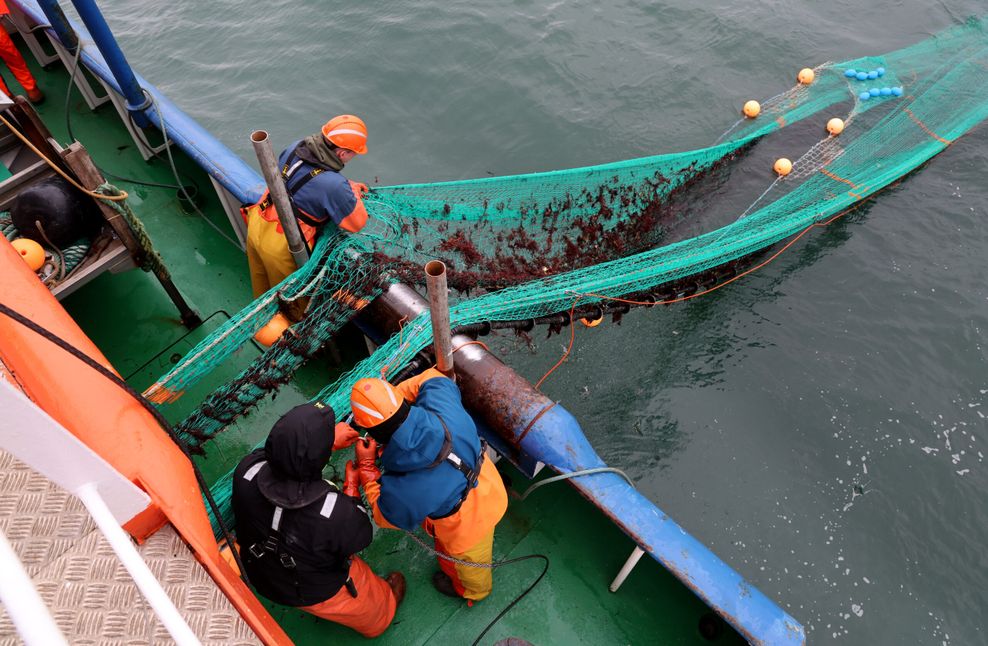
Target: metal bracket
[[146, 148], [79, 78], [231, 206], [626, 569]]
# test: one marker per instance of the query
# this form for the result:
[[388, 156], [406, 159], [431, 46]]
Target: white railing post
[[23, 603], [149, 586], [32, 436], [626, 569]]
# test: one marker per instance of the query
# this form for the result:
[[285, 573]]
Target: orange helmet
[[378, 408], [347, 131]]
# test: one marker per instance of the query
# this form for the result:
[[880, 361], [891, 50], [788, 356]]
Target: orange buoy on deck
[[30, 251]]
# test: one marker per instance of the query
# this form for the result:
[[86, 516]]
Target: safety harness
[[273, 543], [447, 455], [287, 172]]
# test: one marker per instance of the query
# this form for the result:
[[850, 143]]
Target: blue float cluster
[[865, 76], [882, 91], [871, 76]]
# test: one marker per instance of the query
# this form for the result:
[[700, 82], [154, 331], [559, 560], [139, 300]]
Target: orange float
[[272, 330], [30, 251]]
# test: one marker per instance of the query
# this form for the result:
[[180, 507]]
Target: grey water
[[819, 424]]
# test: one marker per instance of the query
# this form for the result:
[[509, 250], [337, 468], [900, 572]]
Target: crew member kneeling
[[435, 473], [298, 534]]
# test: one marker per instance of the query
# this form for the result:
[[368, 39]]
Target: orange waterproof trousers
[[370, 612], [14, 60]]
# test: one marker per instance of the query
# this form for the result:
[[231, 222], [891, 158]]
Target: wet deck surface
[[571, 605]]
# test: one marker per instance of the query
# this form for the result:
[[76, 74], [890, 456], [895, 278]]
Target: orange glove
[[351, 481], [366, 452], [362, 188], [345, 436]]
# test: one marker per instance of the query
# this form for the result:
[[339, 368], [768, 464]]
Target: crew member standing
[[12, 57], [298, 534], [435, 473], [319, 194]]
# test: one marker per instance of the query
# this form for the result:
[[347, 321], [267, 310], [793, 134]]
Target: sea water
[[819, 424]]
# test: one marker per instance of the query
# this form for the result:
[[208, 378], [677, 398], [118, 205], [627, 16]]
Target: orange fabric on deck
[[370, 612]]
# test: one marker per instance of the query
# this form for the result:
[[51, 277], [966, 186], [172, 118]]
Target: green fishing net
[[531, 245]]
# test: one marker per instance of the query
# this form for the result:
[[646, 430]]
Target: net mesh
[[531, 245]]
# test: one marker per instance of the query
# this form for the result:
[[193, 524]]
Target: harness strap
[[287, 172], [446, 454]]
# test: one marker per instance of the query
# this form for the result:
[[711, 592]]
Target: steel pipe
[[279, 196], [60, 24], [435, 281], [133, 93]]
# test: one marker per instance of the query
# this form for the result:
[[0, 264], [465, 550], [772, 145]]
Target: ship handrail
[[23, 603]]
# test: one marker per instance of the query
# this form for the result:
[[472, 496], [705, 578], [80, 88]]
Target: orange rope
[[922, 125], [838, 178], [572, 336], [475, 342]]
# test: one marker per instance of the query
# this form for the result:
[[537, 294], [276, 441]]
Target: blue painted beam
[[60, 24]]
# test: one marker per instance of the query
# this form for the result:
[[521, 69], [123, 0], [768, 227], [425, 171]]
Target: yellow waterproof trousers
[[268, 256], [473, 583]]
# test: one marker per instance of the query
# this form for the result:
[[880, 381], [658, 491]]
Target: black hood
[[297, 450]]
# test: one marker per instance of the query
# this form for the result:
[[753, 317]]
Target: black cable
[[78, 354], [520, 596]]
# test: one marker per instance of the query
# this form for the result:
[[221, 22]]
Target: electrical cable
[[68, 128], [495, 564], [576, 474], [159, 418], [171, 162]]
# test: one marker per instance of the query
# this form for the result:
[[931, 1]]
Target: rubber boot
[[396, 581]]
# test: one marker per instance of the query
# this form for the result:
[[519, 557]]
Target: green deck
[[130, 318]]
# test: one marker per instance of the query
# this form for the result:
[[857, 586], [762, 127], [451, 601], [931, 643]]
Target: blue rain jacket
[[409, 490]]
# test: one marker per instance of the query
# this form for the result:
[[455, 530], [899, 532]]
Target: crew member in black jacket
[[299, 534]]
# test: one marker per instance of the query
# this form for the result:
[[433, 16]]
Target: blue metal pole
[[137, 102], [60, 24]]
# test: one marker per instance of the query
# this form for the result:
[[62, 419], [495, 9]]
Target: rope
[[121, 196], [152, 260]]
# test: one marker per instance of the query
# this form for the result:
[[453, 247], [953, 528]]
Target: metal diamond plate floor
[[85, 587]]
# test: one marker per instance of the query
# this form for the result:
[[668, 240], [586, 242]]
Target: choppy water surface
[[820, 424]]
